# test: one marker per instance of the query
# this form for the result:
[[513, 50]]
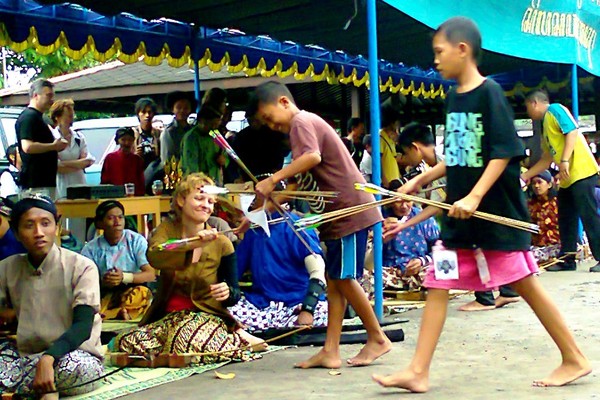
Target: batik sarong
[[186, 332], [275, 316], [75, 368]]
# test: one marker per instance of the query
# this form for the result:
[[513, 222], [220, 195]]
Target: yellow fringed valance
[[545, 83], [260, 69]]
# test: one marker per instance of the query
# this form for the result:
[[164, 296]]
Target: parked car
[[99, 135], [8, 135]]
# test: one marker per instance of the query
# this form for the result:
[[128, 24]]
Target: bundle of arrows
[[308, 222], [513, 223]]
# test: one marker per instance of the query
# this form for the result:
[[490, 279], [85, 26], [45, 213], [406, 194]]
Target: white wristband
[[127, 278]]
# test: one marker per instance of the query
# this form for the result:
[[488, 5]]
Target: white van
[[99, 135], [8, 135]]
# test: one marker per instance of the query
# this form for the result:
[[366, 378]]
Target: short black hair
[[269, 92], [394, 185], [144, 102], [122, 132], [353, 122], [252, 106], [37, 86], [389, 115], [537, 96], [104, 207], [12, 151], [213, 100], [415, 132], [462, 29], [174, 97]]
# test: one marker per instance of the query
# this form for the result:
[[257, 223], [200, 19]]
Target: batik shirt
[[129, 254], [544, 213], [413, 242]]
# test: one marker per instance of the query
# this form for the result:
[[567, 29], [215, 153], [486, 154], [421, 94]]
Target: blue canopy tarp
[[27, 24], [558, 31]]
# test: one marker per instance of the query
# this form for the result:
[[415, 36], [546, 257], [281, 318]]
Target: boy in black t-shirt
[[482, 153]]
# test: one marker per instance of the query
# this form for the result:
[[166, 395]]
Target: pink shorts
[[505, 267]]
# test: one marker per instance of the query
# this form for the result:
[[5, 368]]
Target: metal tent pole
[[198, 35], [376, 160], [575, 92], [197, 86]]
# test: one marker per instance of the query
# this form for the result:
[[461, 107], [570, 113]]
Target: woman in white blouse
[[73, 160]]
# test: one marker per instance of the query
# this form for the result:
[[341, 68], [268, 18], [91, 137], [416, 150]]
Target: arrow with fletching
[[513, 223], [223, 144]]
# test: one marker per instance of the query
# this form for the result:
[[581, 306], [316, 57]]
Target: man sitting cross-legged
[[55, 295], [121, 258]]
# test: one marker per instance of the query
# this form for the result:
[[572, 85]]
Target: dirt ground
[[482, 355]]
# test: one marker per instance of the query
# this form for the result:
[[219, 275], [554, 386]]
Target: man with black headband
[[120, 255], [55, 294]]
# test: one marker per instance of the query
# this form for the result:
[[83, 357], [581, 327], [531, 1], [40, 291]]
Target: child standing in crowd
[[123, 166], [317, 147], [366, 164], [482, 167]]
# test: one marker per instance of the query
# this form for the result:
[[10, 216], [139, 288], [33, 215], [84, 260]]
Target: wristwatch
[[562, 161]]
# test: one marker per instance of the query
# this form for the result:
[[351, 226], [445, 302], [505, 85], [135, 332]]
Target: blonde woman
[[74, 159], [196, 285]]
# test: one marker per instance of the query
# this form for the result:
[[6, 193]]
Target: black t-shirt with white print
[[480, 128]]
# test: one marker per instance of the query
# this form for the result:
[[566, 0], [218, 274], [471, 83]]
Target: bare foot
[[406, 379], [257, 345], [501, 301], [475, 306], [565, 373], [370, 352], [322, 359]]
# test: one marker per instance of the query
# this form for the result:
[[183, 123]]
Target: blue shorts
[[346, 256]]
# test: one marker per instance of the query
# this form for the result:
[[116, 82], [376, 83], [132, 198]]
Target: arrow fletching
[[212, 189]]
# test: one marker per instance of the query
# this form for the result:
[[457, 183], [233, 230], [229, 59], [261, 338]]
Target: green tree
[[45, 66]]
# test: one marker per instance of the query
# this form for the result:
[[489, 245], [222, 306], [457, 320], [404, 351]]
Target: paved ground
[[486, 355]]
